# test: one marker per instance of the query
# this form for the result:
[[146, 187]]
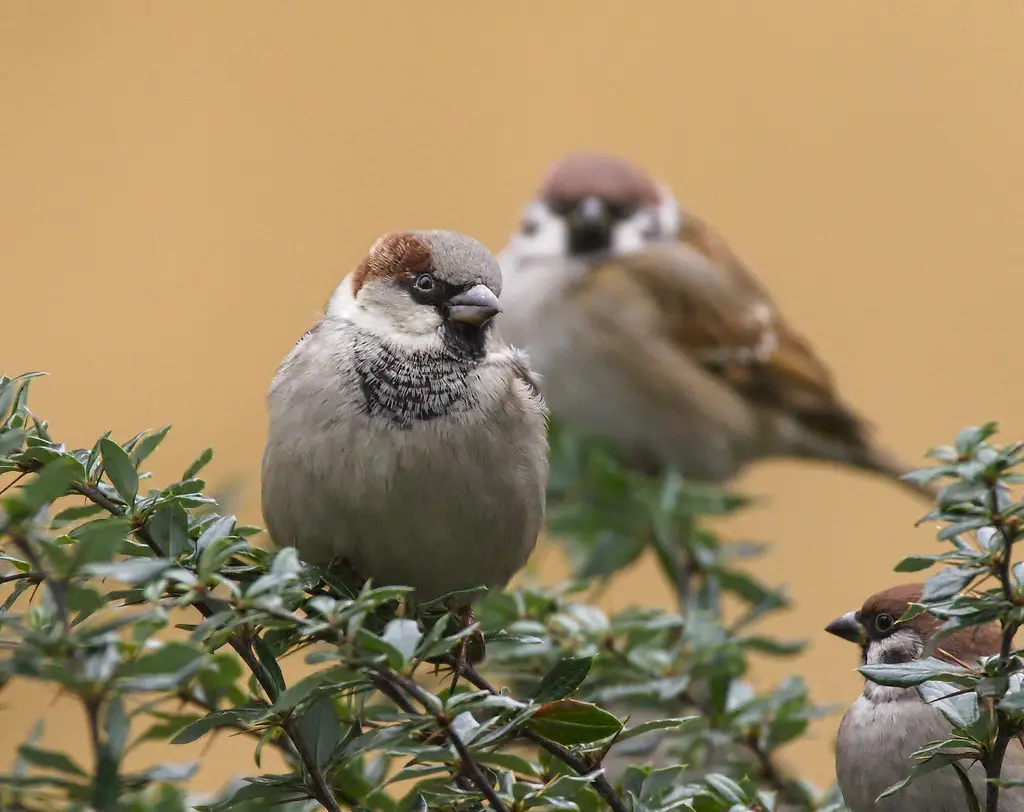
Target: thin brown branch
[[13, 482], [1005, 727], [323, 793], [563, 754], [469, 764], [34, 577]]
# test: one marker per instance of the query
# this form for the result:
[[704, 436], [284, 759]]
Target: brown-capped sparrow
[[405, 437], [885, 725], [648, 330]]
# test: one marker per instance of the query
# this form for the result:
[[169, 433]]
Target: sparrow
[[649, 331], [406, 439], [885, 725]]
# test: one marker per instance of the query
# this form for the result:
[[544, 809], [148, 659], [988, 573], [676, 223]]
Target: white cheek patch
[[670, 218], [545, 236], [901, 646], [392, 315]]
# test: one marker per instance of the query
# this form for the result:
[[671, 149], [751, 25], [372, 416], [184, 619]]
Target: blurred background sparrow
[[886, 725], [648, 330]]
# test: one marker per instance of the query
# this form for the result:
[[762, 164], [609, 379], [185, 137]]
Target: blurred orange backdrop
[[182, 184]]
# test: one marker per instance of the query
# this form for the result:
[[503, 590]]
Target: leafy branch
[[367, 725]]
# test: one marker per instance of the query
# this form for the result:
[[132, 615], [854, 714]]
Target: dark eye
[[529, 227], [561, 206], [424, 283], [883, 622]]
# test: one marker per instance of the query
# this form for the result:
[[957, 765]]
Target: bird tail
[[877, 460]]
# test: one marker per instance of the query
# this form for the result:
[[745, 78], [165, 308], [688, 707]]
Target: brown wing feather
[[717, 312]]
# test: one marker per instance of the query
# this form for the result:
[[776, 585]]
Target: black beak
[[590, 226], [478, 305], [848, 627]]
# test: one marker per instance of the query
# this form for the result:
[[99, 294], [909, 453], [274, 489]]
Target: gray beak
[[848, 628], [591, 211], [478, 305]]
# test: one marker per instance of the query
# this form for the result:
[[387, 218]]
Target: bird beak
[[848, 627], [589, 226], [478, 305]]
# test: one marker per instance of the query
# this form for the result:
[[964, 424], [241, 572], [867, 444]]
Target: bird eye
[[529, 227], [883, 622], [561, 206], [424, 283]]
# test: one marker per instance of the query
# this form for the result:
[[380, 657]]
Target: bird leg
[[465, 618], [350, 577]]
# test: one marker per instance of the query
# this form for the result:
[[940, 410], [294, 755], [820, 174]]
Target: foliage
[[100, 569], [981, 584]]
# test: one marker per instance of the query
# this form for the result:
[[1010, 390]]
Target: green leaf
[[198, 464], [120, 471], [948, 582], [52, 482], [564, 677], [271, 670], [320, 727], [404, 635], [165, 669], [969, 438], [219, 528], [229, 717], [49, 759], [99, 540], [727, 788], [656, 724], [73, 514], [147, 445], [169, 529], [371, 642], [571, 722], [916, 563], [906, 675], [131, 571]]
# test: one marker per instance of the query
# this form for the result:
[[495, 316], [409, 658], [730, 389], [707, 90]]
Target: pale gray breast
[[424, 471], [873, 752]]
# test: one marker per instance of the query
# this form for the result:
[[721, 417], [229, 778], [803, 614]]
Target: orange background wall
[[182, 184]]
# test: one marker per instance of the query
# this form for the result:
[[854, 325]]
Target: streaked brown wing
[[720, 316]]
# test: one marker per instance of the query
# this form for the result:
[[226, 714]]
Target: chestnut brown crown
[[607, 177], [880, 616]]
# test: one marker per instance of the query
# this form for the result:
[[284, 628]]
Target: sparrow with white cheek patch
[[648, 330], [405, 437], [885, 726]]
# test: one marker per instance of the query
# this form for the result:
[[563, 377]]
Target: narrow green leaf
[[321, 729], [120, 471], [564, 677], [148, 444], [949, 582], [198, 464], [271, 670], [49, 759], [169, 529], [656, 724], [906, 675], [49, 484], [99, 540], [570, 722], [404, 635]]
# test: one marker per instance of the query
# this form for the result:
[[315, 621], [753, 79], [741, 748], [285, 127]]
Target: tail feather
[[880, 461]]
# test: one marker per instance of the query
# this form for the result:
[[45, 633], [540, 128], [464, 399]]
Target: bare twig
[[34, 577]]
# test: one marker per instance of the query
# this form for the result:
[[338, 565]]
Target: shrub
[[643, 709]]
